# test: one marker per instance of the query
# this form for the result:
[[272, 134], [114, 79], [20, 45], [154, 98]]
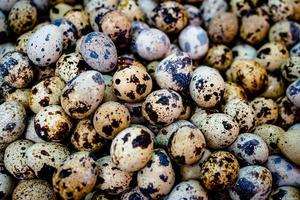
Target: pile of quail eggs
[[150, 99]]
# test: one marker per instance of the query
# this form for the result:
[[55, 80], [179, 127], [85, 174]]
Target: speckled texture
[[80, 19], [266, 110], [232, 91], [134, 193], [132, 10], [19, 95], [30, 133], [219, 57], [293, 93], [285, 193], [210, 9], [275, 87], [58, 11], [289, 145], [6, 182], [135, 110], [194, 14], [191, 189], [290, 70], [286, 112], [285, 32], [240, 7], [22, 40], [243, 51], [280, 9]]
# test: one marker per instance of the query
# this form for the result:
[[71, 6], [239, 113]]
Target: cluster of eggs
[[149, 99]]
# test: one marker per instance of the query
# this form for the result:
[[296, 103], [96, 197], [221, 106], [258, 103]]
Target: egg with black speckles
[[275, 87], [132, 10], [219, 57], [30, 133], [243, 51], [266, 110], [280, 9], [210, 9], [240, 7], [188, 189], [20, 95], [58, 11], [285, 32], [293, 93], [287, 112], [290, 70], [96, 16], [285, 193], [7, 182], [134, 193], [289, 145], [194, 14], [22, 40], [80, 19]]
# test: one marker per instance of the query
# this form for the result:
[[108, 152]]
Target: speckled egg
[[135, 193], [20, 95], [293, 93], [76, 176], [51, 123], [22, 41], [207, 87], [194, 41], [283, 171], [45, 45], [80, 19], [131, 9], [242, 112], [58, 11], [190, 189], [44, 72], [44, 158], [280, 9], [162, 107], [76, 101], [96, 16], [33, 189], [220, 130], [132, 84], [274, 88], [243, 51], [3, 27], [219, 171], [250, 149], [16, 69], [240, 7], [15, 160], [7, 182], [174, 72], [98, 50], [254, 182], [5, 48], [194, 14], [209, 9], [69, 32], [152, 44], [135, 110], [45, 93], [132, 148], [94, 4], [127, 61], [287, 112], [290, 70], [12, 121], [232, 91], [109, 94], [30, 133], [170, 17], [270, 134], [219, 57], [266, 110], [285, 32], [272, 55], [158, 177], [289, 145], [110, 118], [111, 179], [285, 193], [22, 17]]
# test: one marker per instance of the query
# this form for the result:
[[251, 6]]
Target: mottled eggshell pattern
[[250, 149], [287, 112], [280, 9], [289, 145], [132, 84], [111, 179], [98, 50], [232, 91], [16, 69], [210, 9], [30, 133], [174, 72], [12, 121], [219, 57], [132, 10], [85, 137], [76, 101], [52, 123], [158, 177], [220, 130], [33, 189], [80, 19], [7, 182], [20, 95], [243, 51], [22, 17], [162, 107], [290, 70], [266, 110], [194, 41], [15, 160], [190, 189], [293, 93], [132, 148], [275, 87], [135, 193], [219, 171], [285, 32], [152, 44], [45, 45], [207, 87], [76, 177], [240, 7], [135, 110], [194, 14], [285, 193], [110, 118], [96, 16], [242, 112], [45, 93], [22, 40], [254, 182]]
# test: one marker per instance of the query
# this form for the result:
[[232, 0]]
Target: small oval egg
[[219, 57], [289, 29], [293, 93], [22, 40], [210, 9], [289, 145], [188, 189], [20, 95], [274, 88], [131, 9], [80, 19], [290, 70], [194, 14], [30, 133], [287, 112], [3, 27], [58, 11], [132, 194], [243, 51], [232, 91], [7, 182], [280, 10]]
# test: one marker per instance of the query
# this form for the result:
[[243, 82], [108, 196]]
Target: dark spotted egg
[[232, 91], [290, 70], [22, 40], [288, 29], [96, 16], [275, 87], [219, 57], [135, 193], [109, 94], [210, 9], [194, 14], [190, 189], [243, 51], [280, 9], [285, 192], [293, 93], [80, 19], [30, 133], [266, 110], [135, 110], [131, 9], [7, 182], [58, 11]]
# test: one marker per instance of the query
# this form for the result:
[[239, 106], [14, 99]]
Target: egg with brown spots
[[135, 110], [22, 40], [80, 19], [240, 7], [76, 101], [275, 87], [280, 9], [232, 91], [7, 181], [290, 70], [190, 189], [52, 123], [134, 193], [76, 176], [30, 133], [243, 51], [220, 171], [289, 145], [58, 11], [219, 57], [132, 148], [287, 112], [266, 110]]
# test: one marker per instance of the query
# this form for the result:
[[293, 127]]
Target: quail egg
[[274, 88], [243, 51], [266, 110], [280, 9], [285, 32], [190, 189], [210, 9], [290, 70], [7, 182], [285, 193], [219, 57], [286, 112], [131, 9], [135, 193], [30, 133], [194, 14], [232, 91], [58, 11], [22, 40], [80, 19], [293, 93], [289, 145]]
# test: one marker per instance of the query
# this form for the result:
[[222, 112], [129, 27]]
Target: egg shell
[[290, 70], [30, 133], [132, 148], [219, 57], [22, 40], [232, 91], [45, 45], [266, 110], [96, 15], [194, 14], [5, 48], [76, 176], [285, 193], [7, 182], [76, 101], [80, 19], [188, 189], [293, 93], [135, 110], [295, 50], [131, 9], [3, 27], [19, 95], [94, 4], [58, 11], [275, 87], [109, 94], [240, 7], [289, 29], [243, 51], [280, 9], [134, 193], [287, 112], [210, 9], [147, 6], [289, 145]]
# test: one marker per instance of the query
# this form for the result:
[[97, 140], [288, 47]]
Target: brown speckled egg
[[30, 133], [157, 178], [285, 32], [45, 93], [287, 112], [110, 118], [52, 123], [44, 158], [289, 145], [219, 171], [207, 87], [80, 19], [6, 181], [232, 91], [162, 107], [132, 148], [76, 176], [22, 40], [12, 121], [16, 69], [209, 9], [132, 194], [118, 27], [76, 101], [270, 134], [85, 137], [285, 192], [15, 160], [254, 182], [194, 14], [243, 51], [266, 110], [223, 28], [111, 179], [70, 65], [190, 189], [272, 55], [109, 94], [240, 7], [22, 17], [219, 57], [20, 95], [95, 4], [135, 110], [187, 109], [169, 17], [242, 112], [126, 61], [274, 88], [290, 70], [5, 48], [132, 10], [33, 189], [280, 9], [58, 11], [96, 16]]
